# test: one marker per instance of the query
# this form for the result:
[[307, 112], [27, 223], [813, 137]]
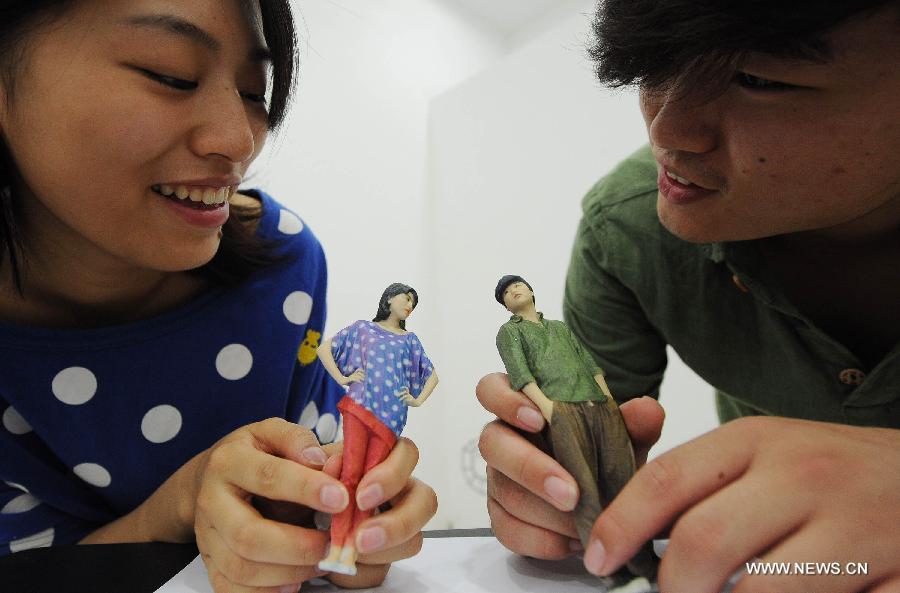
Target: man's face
[[517, 297], [789, 146]]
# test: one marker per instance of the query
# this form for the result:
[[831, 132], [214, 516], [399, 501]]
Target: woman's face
[[402, 305], [119, 102]]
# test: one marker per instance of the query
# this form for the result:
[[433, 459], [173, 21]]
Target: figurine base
[[346, 569]]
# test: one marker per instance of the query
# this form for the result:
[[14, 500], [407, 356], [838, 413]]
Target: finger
[[221, 584], [643, 419], [511, 454], [272, 477], [889, 585], [527, 539], [528, 508], [404, 550], [513, 407], [819, 551], [288, 440], [367, 576], [665, 487], [250, 536], [387, 479], [411, 510], [714, 539], [248, 573]]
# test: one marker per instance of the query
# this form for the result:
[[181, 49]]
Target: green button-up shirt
[[547, 353], [633, 287]]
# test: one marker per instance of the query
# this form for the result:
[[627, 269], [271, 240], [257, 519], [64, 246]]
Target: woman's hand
[[783, 490], [396, 533], [357, 376], [245, 552], [529, 493]]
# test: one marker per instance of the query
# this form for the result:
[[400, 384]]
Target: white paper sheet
[[447, 565]]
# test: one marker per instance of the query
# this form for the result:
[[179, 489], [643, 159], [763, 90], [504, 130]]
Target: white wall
[[351, 160], [512, 151]]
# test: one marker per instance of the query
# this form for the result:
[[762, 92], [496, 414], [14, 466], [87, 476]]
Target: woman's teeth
[[680, 180], [208, 195]]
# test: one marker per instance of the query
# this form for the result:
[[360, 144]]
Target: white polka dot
[[388, 382], [289, 223], [374, 404], [376, 389], [93, 474], [20, 504], [379, 360], [310, 416], [377, 373], [297, 307], [44, 539], [381, 346], [234, 361], [386, 398], [394, 423], [384, 414], [161, 424], [74, 385], [326, 428], [396, 408], [14, 422]]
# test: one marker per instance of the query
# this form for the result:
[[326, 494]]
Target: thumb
[[643, 418]]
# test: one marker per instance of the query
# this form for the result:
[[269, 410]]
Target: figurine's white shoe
[[347, 569], [635, 585]]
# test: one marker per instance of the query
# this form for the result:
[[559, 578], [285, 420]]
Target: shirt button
[[739, 283], [851, 376]]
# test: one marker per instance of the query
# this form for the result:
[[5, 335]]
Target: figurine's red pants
[[367, 442]]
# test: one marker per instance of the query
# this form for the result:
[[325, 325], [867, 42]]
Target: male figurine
[[545, 361]]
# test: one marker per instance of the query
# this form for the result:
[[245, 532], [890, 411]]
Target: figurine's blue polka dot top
[[391, 363], [94, 421]]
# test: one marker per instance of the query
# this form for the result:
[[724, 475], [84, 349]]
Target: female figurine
[[385, 370]]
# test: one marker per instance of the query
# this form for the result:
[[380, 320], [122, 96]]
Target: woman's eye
[[261, 99], [749, 81], [170, 81]]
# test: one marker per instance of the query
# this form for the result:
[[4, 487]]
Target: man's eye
[[170, 81], [756, 83]]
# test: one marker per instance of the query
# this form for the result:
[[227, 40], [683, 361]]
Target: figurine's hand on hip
[[777, 489]]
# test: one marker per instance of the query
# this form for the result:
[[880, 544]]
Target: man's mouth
[[201, 198]]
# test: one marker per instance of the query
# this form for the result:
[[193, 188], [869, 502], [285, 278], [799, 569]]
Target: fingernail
[[333, 497], [595, 557], [575, 545], [314, 455], [562, 492], [371, 539], [530, 418], [370, 497]]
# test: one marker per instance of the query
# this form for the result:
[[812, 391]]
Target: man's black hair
[[504, 283], [661, 44]]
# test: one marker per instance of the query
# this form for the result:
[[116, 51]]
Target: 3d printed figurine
[[545, 361], [386, 370]]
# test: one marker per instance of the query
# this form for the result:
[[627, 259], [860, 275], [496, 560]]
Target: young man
[[759, 236]]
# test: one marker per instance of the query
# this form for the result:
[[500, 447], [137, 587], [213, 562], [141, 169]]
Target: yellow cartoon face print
[[307, 352]]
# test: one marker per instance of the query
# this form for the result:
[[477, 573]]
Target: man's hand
[[529, 493], [777, 489]]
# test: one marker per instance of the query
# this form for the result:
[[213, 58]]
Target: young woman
[[386, 370], [150, 311]]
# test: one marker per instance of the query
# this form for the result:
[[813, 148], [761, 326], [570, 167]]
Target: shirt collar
[[519, 318]]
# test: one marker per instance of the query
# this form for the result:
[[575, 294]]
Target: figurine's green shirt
[[633, 288], [548, 354]]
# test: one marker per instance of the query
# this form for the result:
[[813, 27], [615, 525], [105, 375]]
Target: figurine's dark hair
[[384, 309], [698, 44], [504, 283], [240, 252]]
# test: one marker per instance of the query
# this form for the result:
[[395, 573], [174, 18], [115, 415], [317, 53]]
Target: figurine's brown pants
[[590, 441]]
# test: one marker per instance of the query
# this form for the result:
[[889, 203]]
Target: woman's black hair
[[384, 309], [698, 44], [240, 252]]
